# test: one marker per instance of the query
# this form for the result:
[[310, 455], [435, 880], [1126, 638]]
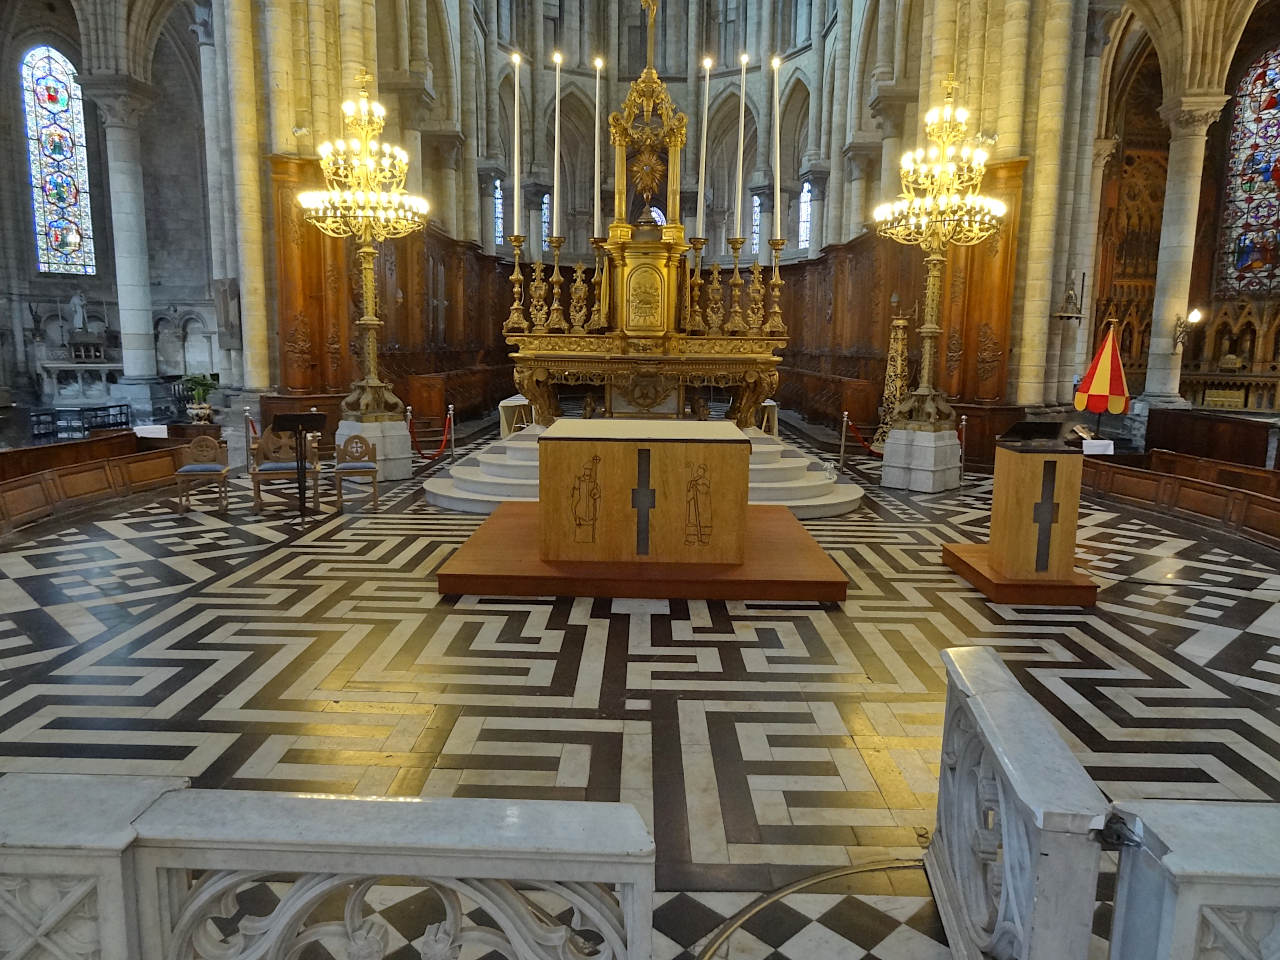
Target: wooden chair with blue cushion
[[275, 457], [206, 462], [356, 458]]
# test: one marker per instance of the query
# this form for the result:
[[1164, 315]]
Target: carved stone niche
[[1202, 881], [1014, 860]]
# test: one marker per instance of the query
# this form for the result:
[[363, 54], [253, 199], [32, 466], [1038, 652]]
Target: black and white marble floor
[[763, 742]]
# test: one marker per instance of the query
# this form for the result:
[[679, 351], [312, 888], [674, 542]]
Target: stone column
[[943, 59], [325, 120], [121, 102], [837, 226], [1013, 78], [886, 41], [1189, 118], [419, 58], [1042, 225], [203, 29], [351, 45], [888, 113], [1088, 192], [246, 163], [466, 221], [857, 166], [493, 60], [278, 29]]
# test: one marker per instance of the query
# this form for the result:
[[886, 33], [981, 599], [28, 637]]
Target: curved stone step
[[843, 498], [501, 465], [475, 480], [441, 491], [779, 471], [814, 484]]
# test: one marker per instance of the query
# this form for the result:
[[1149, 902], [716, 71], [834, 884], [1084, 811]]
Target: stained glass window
[[806, 216], [546, 221], [59, 166], [499, 225], [755, 224], [1249, 248]]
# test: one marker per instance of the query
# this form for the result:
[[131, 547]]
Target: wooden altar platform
[[783, 563]]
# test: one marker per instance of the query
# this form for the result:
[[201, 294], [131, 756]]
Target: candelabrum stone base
[[924, 461], [391, 437]]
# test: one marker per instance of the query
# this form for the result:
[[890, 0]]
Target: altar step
[[507, 470]]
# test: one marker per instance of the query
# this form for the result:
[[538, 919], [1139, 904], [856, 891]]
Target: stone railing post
[[1014, 859]]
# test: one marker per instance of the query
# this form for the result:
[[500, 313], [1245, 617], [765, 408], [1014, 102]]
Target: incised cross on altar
[[1045, 514], [643, 498]]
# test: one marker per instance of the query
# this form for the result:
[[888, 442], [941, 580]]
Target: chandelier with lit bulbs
[[939, 207], [365, 199]]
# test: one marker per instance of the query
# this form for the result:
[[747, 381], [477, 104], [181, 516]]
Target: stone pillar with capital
[[121, 101], [888, 108], [1189, 118]]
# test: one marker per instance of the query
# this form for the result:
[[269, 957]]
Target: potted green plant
[[200, 385]]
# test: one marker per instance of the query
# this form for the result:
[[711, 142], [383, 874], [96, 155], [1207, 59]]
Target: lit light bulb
[[515, 58], [707, 63], [599, 63], [743, 59], [776, 62], [556, 58]]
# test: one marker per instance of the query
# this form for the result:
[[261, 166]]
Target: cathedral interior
[[862, 242]]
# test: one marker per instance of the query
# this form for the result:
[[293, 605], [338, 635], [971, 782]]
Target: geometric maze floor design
[[762, 742]]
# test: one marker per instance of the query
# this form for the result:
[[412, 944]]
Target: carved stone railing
[[131, 868], [1202, 882], [1014, 860]]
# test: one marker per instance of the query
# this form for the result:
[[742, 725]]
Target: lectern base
[[973, 562], [921, 461]]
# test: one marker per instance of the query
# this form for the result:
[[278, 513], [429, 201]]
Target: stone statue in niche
[[76, 305]]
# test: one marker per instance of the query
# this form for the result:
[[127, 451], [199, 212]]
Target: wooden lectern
[[1035, 504], [643, 491]]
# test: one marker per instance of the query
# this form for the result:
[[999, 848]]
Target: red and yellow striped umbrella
[[1104, 389]]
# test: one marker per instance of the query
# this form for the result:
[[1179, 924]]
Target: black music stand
[[299, 424]]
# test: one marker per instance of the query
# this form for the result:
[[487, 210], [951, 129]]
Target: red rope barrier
[[858, 436], [444, 438], [253, 425]]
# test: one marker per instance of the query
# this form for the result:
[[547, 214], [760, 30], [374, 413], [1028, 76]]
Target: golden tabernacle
[[643, 491], [647, 329]]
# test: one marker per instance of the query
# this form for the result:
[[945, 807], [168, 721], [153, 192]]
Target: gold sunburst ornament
[[365, 199], [647, 171]]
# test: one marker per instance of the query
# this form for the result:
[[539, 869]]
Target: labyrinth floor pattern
[[762, 742]]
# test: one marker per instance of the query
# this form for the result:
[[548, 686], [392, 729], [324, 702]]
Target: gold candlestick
[[597, 321], [774, 326], [895, 377], [556, 322], [695, 323], [517, 322], [578, 300], [735, 324]]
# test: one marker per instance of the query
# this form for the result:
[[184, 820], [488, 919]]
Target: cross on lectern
[[643, 499], [1045, 514]]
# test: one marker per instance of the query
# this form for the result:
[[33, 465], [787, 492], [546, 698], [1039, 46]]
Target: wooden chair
[[275, 457], [357, 457], [206, 462]]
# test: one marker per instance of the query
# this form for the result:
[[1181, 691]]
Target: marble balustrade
[[139, 868]]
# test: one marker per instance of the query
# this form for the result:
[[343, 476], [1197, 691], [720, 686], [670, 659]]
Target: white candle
[[777, 155], [702, 151], [555, 157], [595, 231], [742, 133], [515, 152]]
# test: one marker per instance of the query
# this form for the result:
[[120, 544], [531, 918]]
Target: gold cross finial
[[651, 8], [363, 79], [949, 85]]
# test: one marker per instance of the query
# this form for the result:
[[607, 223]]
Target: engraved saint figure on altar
[[584, 501], [697, 507]]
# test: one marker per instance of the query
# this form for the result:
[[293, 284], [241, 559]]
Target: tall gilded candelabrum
[[939, 208], [365, 199]]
